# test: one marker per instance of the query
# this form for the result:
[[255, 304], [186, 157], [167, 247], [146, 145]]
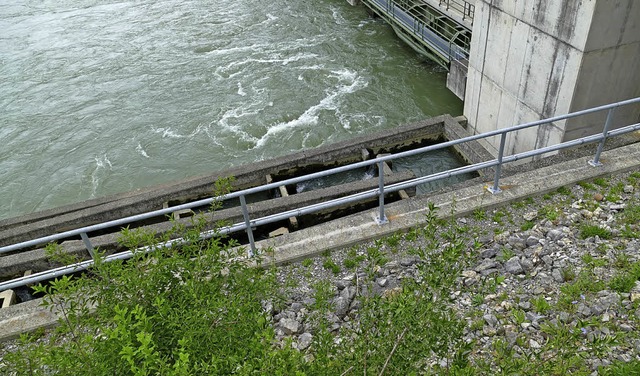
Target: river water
[[104, 96]]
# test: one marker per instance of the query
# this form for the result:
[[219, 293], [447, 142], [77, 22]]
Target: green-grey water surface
[[104, 96]]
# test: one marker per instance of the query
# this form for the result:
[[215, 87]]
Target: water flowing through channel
[[105, 96]]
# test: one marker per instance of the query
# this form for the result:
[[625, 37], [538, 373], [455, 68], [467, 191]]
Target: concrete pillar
[[533, 59]]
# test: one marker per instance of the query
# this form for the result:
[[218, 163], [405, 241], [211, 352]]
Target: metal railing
[[427, 27], [248, 224], [463, 7]]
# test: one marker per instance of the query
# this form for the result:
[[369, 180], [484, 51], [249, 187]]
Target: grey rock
[[530, 216], [304, 341], [513, 266], [564, 317], [382, 282], [289, 326], [491, 320], [296, 307], [555, 234], [487, 272], [341, 306], [628, 189], [486, 264], [584, 310], [525, 305], [626, 328], [557, 276], [526, 264], [531, 241], [517, 243], [408, 261], [488, 253], [348, 293]]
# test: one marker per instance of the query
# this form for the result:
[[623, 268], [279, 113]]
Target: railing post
[[247, 222], [87, 243], [382, 219], [496, 187], [596, 160]]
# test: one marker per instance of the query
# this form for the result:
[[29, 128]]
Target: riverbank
[[543, 285]]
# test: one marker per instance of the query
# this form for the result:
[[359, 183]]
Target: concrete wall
[[610, 69], [536, 59]]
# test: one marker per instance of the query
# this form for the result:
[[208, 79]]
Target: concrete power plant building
[[534, 59]]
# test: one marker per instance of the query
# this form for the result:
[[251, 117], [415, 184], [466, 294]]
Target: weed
[[540, 304], [568, 273], [505, 254], [549, 212], [518, 316], [588, 230], [565, 191], [602, 182], [586, 186], [331, 265], [527, 225], [498, 216], [479, 214], [307, 262]]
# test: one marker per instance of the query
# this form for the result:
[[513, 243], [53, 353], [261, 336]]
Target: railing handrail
[[248, 223], [290, 181]]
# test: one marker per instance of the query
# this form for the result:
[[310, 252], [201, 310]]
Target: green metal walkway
[[431, 30]]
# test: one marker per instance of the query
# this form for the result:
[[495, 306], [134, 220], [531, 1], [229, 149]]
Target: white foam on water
[[241, 91], [141, 151], [102, 163], [220, 72], [348, 82], [337, 17], [236, 113]]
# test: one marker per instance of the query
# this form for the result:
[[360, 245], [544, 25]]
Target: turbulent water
[[104, 96]]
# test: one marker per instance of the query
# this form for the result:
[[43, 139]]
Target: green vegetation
[[200, 309], [588, 230]]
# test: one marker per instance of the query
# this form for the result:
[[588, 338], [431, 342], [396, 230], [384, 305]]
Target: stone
[[289, 326], [502, 237], [304, 341], [513, 266], [488, 253], [584, 310], [486, 264], [531, 241], [530, 216], [491, 320], [382, 282], [557, 276], [534, 344], [555, 234], [628, 189], [526, 264], [341, 306], [598, 197], [408, 261], [348, 293], [296, 307]]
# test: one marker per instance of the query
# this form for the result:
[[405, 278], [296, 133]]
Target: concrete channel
[[403, 214]]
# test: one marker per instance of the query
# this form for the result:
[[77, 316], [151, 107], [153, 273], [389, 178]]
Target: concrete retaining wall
[[537, 59]]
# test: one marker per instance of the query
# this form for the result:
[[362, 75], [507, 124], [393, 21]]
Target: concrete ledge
[[406, 214], [90, 212]]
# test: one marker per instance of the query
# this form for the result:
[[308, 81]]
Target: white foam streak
[[330, 102], [141, 151], [241, 91]]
